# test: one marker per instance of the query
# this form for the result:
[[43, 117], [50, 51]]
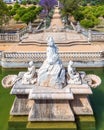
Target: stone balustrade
[[13, 37], [0, 54], [9, 37], [23, 31], [92, 36], [98, 37], [41, 56]]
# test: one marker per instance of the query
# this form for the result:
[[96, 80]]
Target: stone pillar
[[30, 27], [78, 29], [6, 36], [18, 36], [89, 36]]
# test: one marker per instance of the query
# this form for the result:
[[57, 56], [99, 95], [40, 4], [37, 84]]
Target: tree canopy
[[48, 4], [24, 14], [70, 6], [29, 16], [89, 15], [4, 13], [92, 2], [24, 2]]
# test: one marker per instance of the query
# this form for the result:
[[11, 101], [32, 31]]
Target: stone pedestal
[[51, 110], [52, 102], [20, 107], [82, 89], [47, 93], [81, 105]]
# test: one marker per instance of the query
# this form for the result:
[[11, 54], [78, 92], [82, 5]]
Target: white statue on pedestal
[[78, 28], [73, 74], [30, 76], [52, 51], [52, 72]]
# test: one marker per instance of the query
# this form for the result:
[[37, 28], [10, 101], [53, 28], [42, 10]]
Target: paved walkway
[[57, 31], [94, 47], [59, 37], [56, 21]]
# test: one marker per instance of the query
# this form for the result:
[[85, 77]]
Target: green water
[[97, 99]]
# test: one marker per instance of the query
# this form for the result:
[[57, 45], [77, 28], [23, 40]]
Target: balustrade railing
[[98, 37], [13, 37], [41, 56], [92, 36], [9, 37], [23, 31]]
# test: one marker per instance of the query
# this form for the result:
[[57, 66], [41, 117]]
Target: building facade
[[12, 1]]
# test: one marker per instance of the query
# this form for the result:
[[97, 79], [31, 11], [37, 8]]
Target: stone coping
[[50, 93], [80, 89]]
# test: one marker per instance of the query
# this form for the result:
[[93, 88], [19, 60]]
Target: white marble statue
[[51, 73], [52, 51], [30, 76], [74, 76], [78, 28]]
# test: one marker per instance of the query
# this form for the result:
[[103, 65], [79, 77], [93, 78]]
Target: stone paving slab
[[96, 47], [59, 37]]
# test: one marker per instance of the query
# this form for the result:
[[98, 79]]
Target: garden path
[[56, 20]]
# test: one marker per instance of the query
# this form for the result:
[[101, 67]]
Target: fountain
[[51, 94]]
